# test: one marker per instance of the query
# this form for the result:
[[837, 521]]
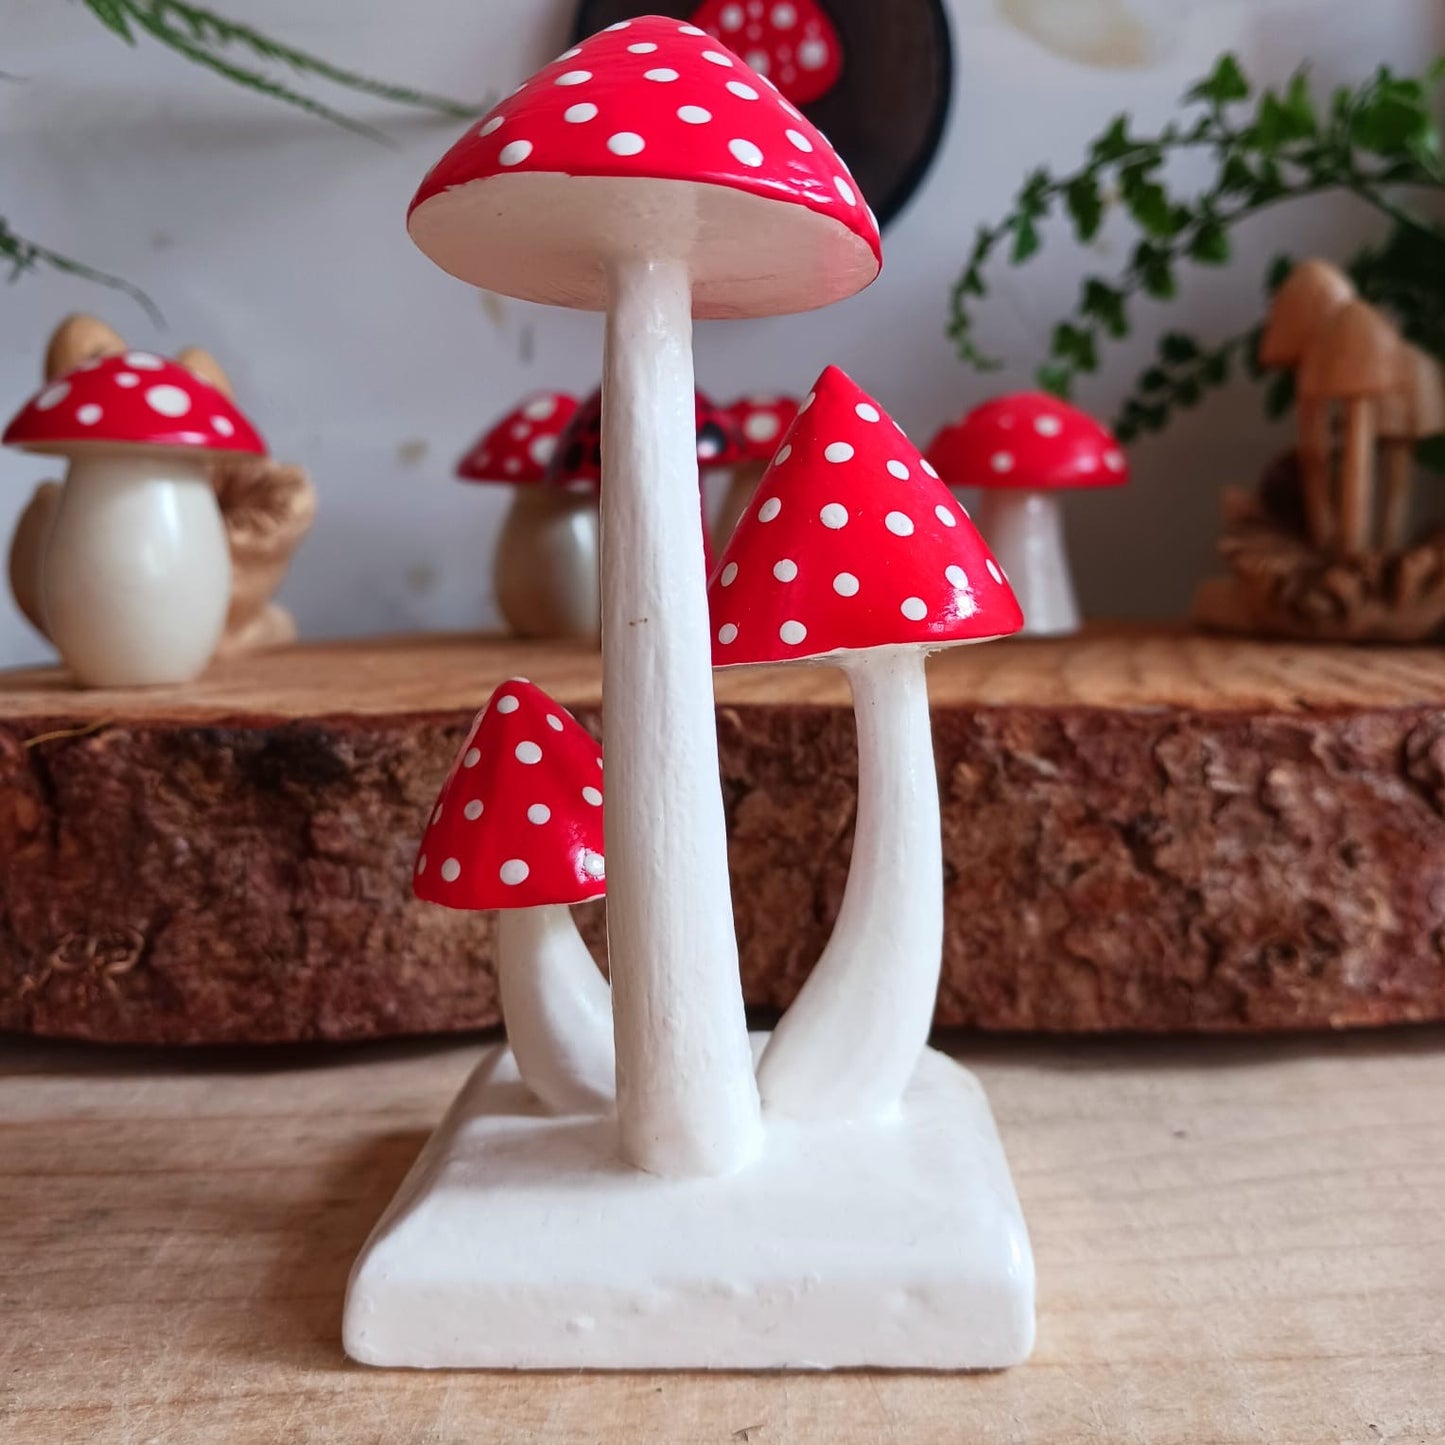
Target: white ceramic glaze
[[1026, 532], [848, 1046], [686, 1098], [136, 575], [517, 1243], [546, 564], [557, 1009]]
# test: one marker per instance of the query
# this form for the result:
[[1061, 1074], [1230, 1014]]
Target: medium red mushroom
[[517, 827], [545, 564], [1023, 452], [650, 174], [135, 578], [793, 43], [759, 423], [855, 553]]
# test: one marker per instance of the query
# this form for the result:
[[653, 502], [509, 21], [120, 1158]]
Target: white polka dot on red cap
[[663, 74], [168, 400], [945, 516], [642, 47], [126, 379], [786, 570], [782, 456], [845, 584], [793, 633], [593, 864], [762, 427], [451, 870], [539, 813], [490, 127], [729, 574], [800, 140], [223, 426], [717, 58], [899, 523], [994, 572], [573, 77], [838, 452], [592, 796], [1001, 461], [769, 509], [473, 810], [514, 871], [930, 469], [52, 396], [88, 414], [742, 90], [746, 153], [915, 609], [580, 113], [471, 758], [845, 191], [143, 361], [626, 143], [507, 703], [515, 152], [899, 470], [957, 576], [834, 516], [727, 634], [694, 114], [528, 752], [867, 412]]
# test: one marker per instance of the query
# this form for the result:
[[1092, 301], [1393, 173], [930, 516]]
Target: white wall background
[[278, 243]]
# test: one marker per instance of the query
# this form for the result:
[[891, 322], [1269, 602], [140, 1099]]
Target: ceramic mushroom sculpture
[[545, 562], [759, 423], [854, 553], [1023, 452], [650, 174], [135, 579], [517, 827], [793, 43], [1407, 417]]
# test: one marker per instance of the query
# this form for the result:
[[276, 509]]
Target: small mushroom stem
[[136, 577], [1026, 532], [546, 564], [686, 1097], [1357, 476], [1399, 458], [557, 1009], [1313, 421], [851, 1040], [742, 483]]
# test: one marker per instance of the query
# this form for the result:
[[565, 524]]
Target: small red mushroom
[[517, 827], [760, 422], [1022, 452], [793, 43], [854, 552], [518, 448]]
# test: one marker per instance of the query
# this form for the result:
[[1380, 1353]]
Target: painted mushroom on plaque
[[517, 828], [135, 570], [1024, 452], [545, 563], [854, 553]]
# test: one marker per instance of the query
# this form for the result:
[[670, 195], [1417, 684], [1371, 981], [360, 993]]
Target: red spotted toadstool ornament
[[649, 173], [853, 552], [135, 577], [793, 43], [545, 564], [1023, 452], [758, 423], [517, 827]]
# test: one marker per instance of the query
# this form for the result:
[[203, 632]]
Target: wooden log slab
[[1143, 830]]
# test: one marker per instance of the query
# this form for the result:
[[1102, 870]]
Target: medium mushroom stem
[[1026, 532], [136, 577], [546, 564], [849, 1044], [1313, 418], [687, 1101], [1399, 465], [557, 1009], [1357, 476], [742, 483]]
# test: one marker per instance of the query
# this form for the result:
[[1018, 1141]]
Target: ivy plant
[[1378, 142]]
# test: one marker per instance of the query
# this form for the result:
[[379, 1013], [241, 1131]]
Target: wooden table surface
[[1236, 1241]]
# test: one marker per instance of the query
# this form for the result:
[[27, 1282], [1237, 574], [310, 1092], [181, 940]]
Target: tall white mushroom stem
[[557, 1009], [851, 1040], [136, 574], [686, 1098], [1026, 531]]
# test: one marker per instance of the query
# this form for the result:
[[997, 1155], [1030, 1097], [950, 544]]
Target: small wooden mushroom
[[1356, 359], [1411, 414], [1311, 296]]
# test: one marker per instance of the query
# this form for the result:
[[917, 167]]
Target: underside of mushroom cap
[[649, 141], [518, 822], [851, 542]]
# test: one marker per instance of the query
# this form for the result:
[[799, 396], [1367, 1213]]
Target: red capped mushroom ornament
[[1024, 452], [517, 827], [853, 552], [759, 423], [649, 173], [545, 564], [793, 43], [135, 575]]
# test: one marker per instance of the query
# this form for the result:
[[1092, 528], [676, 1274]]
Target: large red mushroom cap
[[791, 42], [135, 402], [518, 822], [650, 137], [1029, 441], [852, 542], [760, 422], [519, 448]]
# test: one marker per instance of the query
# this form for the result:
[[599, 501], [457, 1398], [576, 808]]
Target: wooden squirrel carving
[[268, 506]]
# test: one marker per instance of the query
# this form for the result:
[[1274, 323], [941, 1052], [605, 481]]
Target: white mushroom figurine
[[1023, 452], [854, 553], [650, 174], [518, 827], [135, 576]]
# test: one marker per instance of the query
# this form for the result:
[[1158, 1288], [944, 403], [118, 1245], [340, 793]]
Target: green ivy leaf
[[111, 14], [1154, 379], [1209, 245], [1177, 348], [1105, 304], [1085, 202], [1114, 144], [1026, 240], [1056, 380], [1279, 395], [1155, 270], [1224, 84]]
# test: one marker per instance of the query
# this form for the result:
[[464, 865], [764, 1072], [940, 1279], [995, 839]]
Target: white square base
[[518, 1241]]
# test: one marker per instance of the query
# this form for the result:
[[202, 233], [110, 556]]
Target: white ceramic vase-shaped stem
[[136, 577], [546, 564], [1026, 532], [686, 1097], [851, 1041], [557, 1009]]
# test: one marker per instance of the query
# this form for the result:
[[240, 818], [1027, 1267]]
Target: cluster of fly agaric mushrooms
[[650, 174]]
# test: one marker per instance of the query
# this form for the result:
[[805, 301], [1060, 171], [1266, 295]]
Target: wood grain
[[1237, 1241]]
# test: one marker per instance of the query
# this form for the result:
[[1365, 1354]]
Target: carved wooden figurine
[[868, 1217]]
